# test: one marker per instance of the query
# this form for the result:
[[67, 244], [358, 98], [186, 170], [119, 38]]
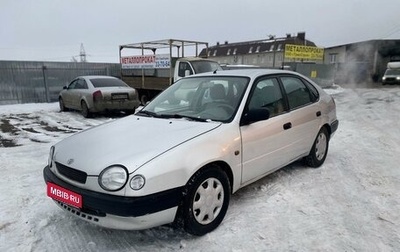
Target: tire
[[143, 99], [85, 110], [319, 149], [61, 104], [130, 111], [206, 201]]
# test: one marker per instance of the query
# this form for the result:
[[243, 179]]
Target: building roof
[[385, 47], [255, 46]]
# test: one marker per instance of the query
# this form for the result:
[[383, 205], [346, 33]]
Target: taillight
[[97, 96]]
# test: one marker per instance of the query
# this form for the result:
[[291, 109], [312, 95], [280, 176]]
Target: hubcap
[[208, 201], [320, 146]]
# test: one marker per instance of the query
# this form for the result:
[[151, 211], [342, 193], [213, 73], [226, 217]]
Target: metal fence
[[34, 82], [323, 75]]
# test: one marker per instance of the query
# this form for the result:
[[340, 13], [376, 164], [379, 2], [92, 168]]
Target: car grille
[[77, 212], [71, 173]]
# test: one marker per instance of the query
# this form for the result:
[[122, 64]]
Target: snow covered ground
[[351, 203]]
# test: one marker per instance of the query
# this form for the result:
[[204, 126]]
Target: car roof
[[96, 76], [252, 73]]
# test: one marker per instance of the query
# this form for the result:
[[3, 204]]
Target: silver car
[[181, 157], [94, 94]]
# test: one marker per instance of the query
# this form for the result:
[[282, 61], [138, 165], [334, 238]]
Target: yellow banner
[[303, 52]]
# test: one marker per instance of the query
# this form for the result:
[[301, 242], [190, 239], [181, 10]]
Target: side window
[[73, 84], [183, 66], [267, 94], [313, 91], [82, 84], [297, 93]]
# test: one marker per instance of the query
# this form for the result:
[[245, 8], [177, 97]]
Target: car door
[[80, 89], [305, 113], [266, 144], [67, 94]]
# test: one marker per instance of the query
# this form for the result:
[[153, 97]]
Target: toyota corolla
[[181, 157]]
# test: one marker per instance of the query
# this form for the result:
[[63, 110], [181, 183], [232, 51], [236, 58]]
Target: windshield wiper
[[148, 113], [178, 116]]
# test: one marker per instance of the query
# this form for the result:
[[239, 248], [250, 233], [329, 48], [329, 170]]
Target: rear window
[[107, 82]]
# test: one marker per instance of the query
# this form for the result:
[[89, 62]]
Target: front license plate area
[[66, 196]]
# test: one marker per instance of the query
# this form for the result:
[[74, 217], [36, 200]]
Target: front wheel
[[61, 104], [206, 201], [319, 149]]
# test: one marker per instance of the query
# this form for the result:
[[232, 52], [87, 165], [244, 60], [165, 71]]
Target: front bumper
[[390, 81], [131, 213]]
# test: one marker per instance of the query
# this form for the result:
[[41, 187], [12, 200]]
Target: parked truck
[[156, 65]]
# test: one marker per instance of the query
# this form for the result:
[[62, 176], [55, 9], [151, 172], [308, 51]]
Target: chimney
[[288, 35], [217, 43], [226, 42], [301, 35]]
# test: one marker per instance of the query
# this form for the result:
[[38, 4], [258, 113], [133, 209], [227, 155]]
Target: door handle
[[287, 126], [318, 113]]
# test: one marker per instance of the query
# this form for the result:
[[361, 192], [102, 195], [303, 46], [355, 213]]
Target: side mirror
[[187, 73], [65, 87], [254, 115]]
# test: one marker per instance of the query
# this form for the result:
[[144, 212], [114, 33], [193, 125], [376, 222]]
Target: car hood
[[131, 141]]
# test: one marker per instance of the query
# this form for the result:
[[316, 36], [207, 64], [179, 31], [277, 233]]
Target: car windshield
[[392, 72], [107, 82], [214, 98], [204, 66]]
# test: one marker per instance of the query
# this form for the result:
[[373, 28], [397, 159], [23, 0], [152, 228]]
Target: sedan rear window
[[107, 82]]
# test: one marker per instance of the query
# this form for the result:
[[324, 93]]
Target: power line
[[392, 31]]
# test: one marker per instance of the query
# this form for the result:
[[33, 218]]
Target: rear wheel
[[143, 99], [319, 149], [85, 110], [206, 201]]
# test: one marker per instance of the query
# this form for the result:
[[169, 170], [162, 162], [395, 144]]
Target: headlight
[[383, 78], [51, 154], [398, 77], [113, 178], [137, 182]]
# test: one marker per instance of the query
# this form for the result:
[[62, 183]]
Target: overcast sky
[[53, 30]]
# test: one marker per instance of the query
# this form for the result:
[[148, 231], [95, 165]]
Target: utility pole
[[46, 87], [82, 54]]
